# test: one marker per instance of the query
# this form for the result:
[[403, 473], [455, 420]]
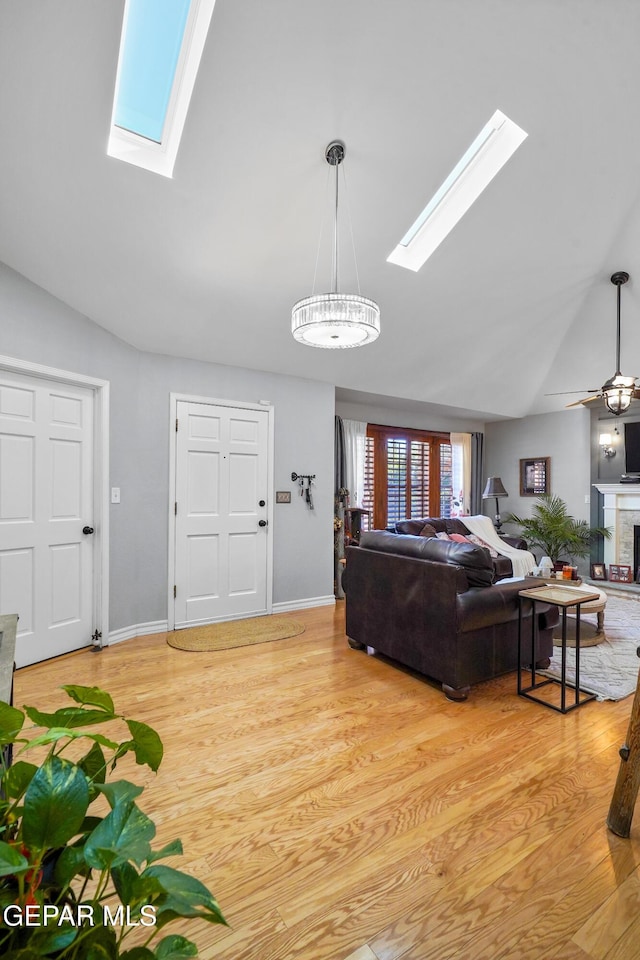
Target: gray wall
[[562, 436], [41, 329], [392, 417]]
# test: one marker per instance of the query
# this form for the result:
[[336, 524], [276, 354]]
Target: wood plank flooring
[[342, 809]]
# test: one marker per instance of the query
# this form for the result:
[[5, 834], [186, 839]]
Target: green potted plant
[[78, 874], [559, 535]]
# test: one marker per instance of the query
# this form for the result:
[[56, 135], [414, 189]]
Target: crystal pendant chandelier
[[335, 320]]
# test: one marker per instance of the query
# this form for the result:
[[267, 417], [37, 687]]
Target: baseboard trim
[[137, 630], [288, 605], [162, 626]]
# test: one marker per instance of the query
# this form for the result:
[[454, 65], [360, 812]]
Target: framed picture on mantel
[[620, 573], [534, 476]]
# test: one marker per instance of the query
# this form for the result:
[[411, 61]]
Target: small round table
[[590, 636]]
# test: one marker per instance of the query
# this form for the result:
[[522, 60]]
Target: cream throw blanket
[[522, 561]]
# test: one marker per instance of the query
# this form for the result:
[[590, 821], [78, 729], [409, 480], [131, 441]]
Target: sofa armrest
[[482, 607], [518, 542]]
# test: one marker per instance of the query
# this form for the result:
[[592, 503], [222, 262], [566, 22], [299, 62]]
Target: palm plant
[[559, 535]]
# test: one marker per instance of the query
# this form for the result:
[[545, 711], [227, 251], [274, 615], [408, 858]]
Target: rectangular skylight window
[[148, 61], [488, 153], [160, 51]]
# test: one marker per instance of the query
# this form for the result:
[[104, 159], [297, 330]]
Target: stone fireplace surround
[[621, 515]]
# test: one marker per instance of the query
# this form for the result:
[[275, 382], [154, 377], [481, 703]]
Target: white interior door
[[221, 513], [46, 499]]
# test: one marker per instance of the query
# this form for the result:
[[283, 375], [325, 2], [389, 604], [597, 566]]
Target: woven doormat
[[234, 633]]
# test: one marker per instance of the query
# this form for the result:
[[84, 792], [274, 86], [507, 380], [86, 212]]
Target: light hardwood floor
[[341, 809]]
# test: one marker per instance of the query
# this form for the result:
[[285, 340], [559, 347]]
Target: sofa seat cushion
[[475, 561]]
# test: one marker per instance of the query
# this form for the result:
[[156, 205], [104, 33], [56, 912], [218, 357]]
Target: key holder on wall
[[305, 491]]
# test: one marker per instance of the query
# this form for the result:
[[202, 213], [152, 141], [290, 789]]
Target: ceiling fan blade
[[576, 403], [565, 393]]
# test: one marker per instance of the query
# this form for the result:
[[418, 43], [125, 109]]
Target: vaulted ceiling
[[516, 302]]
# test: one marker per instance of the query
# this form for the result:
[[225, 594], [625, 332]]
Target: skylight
[[488, 153], [160, 51]]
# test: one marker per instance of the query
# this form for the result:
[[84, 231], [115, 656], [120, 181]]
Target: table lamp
[[495, 488]]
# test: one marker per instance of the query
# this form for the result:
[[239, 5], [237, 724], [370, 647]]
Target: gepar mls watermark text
[[49, 915]]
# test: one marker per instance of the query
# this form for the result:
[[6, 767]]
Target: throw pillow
[[483, 543], [458, 538], [443, 536], [428, 531]]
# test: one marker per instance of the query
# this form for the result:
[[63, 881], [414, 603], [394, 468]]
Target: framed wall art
[[620, 573], [598, 571], [534, 476]]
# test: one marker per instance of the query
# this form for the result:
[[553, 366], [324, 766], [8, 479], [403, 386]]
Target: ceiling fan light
[[618, 393]]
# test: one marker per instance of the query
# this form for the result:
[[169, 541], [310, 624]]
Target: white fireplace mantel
[[620, 499]]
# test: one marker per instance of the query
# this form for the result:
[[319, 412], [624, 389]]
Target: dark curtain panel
[[477, 473], [339, 464], [338, 536]]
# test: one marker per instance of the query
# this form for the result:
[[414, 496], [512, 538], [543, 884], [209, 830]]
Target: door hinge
[[175, 508], [176, 424], [175, 591]]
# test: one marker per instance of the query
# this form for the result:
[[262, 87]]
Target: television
[[632, 447]]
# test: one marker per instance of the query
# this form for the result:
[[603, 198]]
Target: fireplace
[[622, 517]]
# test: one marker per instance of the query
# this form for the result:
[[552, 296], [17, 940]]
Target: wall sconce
[[605, 442]]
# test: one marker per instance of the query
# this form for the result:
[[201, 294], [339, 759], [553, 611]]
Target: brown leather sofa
[[501, 565], [432, 605]]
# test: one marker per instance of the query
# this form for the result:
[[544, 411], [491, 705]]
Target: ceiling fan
[[618, 391]]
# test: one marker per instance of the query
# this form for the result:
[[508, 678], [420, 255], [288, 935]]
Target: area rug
[[234, 633], [610, 669]]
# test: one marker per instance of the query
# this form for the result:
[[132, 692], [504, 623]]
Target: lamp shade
[[494, 488]]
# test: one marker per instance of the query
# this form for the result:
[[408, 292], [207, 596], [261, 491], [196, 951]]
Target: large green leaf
[[120, 791], [70, 864], [172, 849], [175, 948], [94, 764], [145, 744], [17, 778], [11, 722], [55, 804], [99, 943], [68, 717], [62, 733], [91, 695], [138, 953], [133, 889], [184, 896], [52, 938], [123, 835], [11, 860]]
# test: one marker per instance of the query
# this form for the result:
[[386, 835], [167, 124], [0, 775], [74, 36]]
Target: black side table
[[563, 598]]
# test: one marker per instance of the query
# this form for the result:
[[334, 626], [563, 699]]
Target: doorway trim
[[100, 390], [174, 399]]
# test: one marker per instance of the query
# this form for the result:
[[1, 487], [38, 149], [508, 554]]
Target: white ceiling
[[515, 303]]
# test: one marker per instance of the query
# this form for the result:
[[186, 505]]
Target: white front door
[[46, 499], [221, 512]]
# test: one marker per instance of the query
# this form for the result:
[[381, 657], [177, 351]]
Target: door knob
[[87, 530], [262, 523]]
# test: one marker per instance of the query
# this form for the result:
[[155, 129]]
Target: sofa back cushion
[[475, 561]]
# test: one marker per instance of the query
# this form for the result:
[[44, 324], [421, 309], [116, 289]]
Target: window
[[407, 474], [160, 50]]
